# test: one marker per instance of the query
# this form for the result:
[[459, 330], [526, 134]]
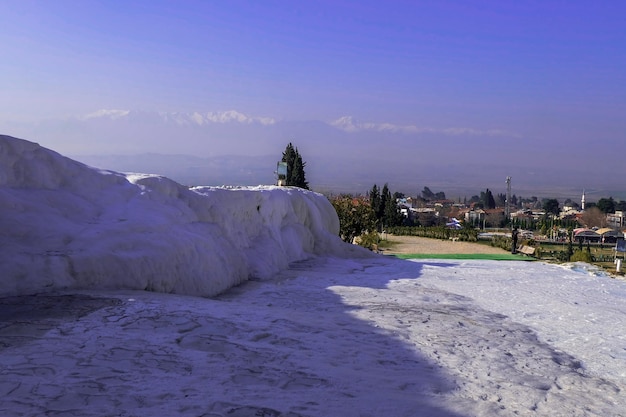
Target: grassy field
[[487, 256], [601, 255]]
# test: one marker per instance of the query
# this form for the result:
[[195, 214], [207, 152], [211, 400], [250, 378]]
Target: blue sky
[[542, 71], [436, 62]]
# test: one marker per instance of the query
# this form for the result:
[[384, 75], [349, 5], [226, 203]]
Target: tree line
[[369, 215], [366, 216]]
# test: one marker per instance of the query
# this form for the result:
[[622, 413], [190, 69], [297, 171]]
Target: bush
[[368, 240], [581, 256], [435, 232], [502, 242], [356, 217], [563, 256]]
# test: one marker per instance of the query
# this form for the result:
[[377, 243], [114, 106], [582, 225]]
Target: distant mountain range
[[344, 155], [337, 175]]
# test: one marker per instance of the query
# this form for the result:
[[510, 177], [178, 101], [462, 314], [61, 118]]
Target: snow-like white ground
[[66, 225], [327, 337], [319, 330]]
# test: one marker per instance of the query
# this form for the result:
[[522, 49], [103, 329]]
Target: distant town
[[548, 220], [590, 221]]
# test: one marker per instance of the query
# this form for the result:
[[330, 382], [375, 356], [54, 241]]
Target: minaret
[[582, 201]]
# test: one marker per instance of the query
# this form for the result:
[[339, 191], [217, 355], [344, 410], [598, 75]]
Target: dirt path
[[414, 244]]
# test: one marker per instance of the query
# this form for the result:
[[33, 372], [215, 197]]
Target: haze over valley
[[344, 155], [449, 95]]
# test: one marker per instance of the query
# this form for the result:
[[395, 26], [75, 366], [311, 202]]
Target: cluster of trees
[[543, 224], [487, 200], [551, 206], [295, 168], [364, 216], [428, 195], [609, 205], [385, 207]]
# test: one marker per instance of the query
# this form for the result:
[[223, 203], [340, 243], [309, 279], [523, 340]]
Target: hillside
[[66, 225]]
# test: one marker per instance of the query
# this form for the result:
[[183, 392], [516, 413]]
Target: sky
[[133, 294], [549, 74]]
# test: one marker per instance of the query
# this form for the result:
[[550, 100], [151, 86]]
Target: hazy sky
[[484, 64], [539, 71]]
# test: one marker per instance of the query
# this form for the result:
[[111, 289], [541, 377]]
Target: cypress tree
[[295, 167], [375, 201], [487, 199], [391, 215], [298, 178], [385, 195]]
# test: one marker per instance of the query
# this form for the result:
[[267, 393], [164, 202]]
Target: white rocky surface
[[314, 328], [67, 225]]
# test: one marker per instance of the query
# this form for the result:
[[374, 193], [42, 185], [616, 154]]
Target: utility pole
[[507, 203]]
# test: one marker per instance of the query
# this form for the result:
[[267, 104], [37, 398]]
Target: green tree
[[391, 213], [500, 200], [606, 205], [298, 177], [385, 208], [486, 198], [551, 206], [295, 167], [569, 202], [385, 196], [474, 199], [376, 202], [356, 216], [427, 194]]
